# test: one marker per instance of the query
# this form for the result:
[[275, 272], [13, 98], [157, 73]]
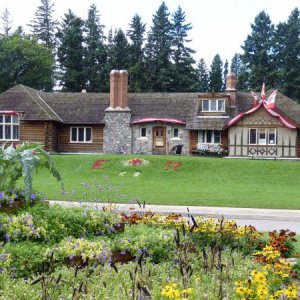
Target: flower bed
[[135, 162], [210, 149]]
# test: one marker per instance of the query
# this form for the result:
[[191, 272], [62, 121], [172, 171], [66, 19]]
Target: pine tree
[[238, 68], [203, 76], [6, 22], [118, 51], [225, 73], [43, 26], [136, 54], [216, 74], [70, 53], [96, 69], [258, 52], [158, 52], [287, 55], [184, 75]]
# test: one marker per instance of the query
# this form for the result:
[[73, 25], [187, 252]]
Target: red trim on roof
[[9, 112], [270, 109], [163, 120]]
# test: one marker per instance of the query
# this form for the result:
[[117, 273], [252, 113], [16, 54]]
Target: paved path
[[262, 219]]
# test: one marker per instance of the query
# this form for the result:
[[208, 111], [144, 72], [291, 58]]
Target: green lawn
[[199, 181]]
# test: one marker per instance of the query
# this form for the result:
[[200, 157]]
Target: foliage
[[239, 69], [23, 160], [70, 53], [215, 74], [210, 149], [203, 76], [135, 162], [23, 60], [95, 58], [6, 22]]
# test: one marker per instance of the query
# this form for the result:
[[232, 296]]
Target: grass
[[199, 181]]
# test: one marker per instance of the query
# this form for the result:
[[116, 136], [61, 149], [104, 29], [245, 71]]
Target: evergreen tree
[[96, 69], [216, 74], [43, 26], [225, 73], [238, 68], [287, 55], [184, 74], [159, 69], [203, 76], [6, 22], [23, 60], [70, 53], [118, 51], [136, 54], [258, 52]]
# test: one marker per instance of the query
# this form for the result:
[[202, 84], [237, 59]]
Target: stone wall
[[117, 131]]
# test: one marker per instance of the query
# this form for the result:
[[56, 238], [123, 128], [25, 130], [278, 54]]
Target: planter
[[10, 208], [122, 257]]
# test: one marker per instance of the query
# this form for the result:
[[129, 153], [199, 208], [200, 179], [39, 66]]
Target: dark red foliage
[[98, 164], [175, 165]]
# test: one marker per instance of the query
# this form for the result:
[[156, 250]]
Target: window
[[213, 105], [143, 132], [81, 134], [175, 133], [9, 127], [209, 136], [262, 136]]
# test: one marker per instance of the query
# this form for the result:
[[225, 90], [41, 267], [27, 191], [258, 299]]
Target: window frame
[[143, 136], [262, 141], [213, 102], [84, 134], [11, 125], [175, 136], [203, 137]]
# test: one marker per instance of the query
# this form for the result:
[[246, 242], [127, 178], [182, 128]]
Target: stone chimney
[[231, 88]]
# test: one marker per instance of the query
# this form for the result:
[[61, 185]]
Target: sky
[[219, 26]]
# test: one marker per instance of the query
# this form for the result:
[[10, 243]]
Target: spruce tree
[[136, 34], [225, 73], [287, 55], [184, 74], [216, 74], [258, 52], [203, 76], [159, 69], [6, 22], [43, 26], [239, 69], [96, 69], [70, 53], [118, 51]]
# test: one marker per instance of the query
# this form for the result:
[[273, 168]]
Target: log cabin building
[[151, 123]]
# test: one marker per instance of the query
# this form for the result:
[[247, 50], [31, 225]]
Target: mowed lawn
[[198, 181]]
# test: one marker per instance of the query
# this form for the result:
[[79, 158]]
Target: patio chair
[[177, 149]]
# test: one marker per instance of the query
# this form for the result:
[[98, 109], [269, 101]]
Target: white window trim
[[205, 135], [209, 105], [84, 135], [267, 131], [11, 128]]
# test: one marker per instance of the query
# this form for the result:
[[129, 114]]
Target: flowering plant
[[70, 248], [135, 162], [210, 149], [22, 227], [172, 291]]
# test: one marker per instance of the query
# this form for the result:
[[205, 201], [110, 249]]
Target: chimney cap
[[114, 71], [123, 71], [83, 91]]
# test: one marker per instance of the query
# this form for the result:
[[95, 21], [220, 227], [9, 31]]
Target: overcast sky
[[219, 26]]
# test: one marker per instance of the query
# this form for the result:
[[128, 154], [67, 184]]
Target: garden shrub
[[26, 257]]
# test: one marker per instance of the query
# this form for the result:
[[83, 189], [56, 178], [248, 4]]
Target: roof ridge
[[34, 100], [50, 107]]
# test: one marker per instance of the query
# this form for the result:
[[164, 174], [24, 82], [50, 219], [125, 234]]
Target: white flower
[[136, 174], [122, 173]]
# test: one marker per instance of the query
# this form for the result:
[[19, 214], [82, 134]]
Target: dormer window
[[213, 105]]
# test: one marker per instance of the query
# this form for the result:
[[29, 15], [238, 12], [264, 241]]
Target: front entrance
[[159, 140]]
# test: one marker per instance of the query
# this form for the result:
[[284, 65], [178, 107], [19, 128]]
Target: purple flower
[[1, 270], [71, 256], [7, 237], [1, 195], [85, 184], [123, 252]]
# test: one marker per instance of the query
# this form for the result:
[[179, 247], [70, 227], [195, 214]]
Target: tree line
[[77, 54]]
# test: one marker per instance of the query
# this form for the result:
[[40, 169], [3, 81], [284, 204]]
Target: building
[[151, 123]]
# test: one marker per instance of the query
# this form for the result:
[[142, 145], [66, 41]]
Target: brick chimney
[[118, 89], [231, 88], [114, 89], [123, 89]]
